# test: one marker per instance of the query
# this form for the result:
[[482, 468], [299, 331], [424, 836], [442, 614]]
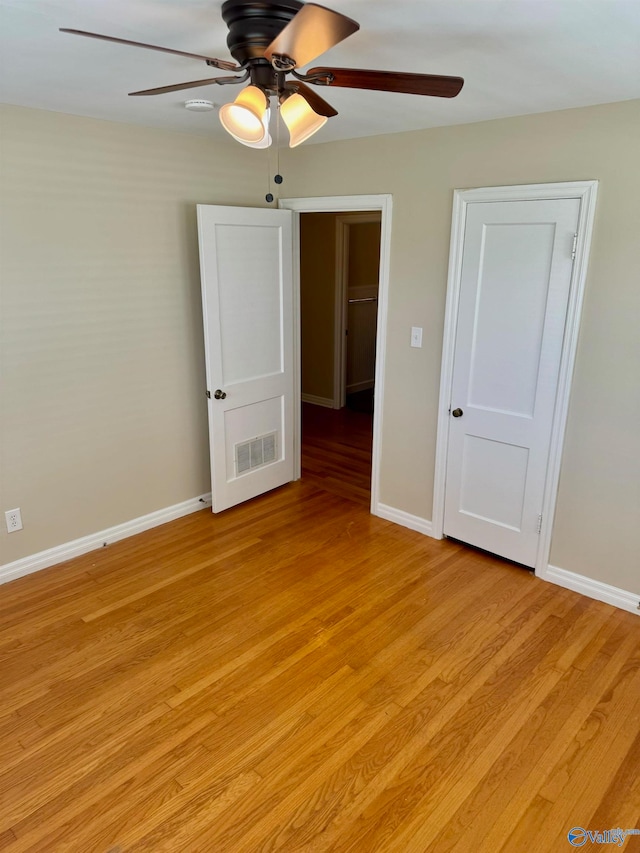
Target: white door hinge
[[574, 247], [539, 529]]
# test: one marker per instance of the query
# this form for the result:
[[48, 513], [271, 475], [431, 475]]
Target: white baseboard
[[360, 386], [405, 519], [621, 598], [594, 589], [317, 401], [52, 556]]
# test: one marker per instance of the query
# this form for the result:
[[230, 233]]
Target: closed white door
[[247, 297], [516, 275]]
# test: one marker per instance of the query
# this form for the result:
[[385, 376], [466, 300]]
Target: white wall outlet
[[416, 336], [13, 518]]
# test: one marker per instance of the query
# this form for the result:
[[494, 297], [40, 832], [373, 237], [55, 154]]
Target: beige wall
[[103, 414], [103, 417], [597, 529]]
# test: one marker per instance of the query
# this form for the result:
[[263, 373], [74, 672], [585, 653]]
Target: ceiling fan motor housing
[[254, 24]]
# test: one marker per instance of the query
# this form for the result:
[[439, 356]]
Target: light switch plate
[[416, 336]]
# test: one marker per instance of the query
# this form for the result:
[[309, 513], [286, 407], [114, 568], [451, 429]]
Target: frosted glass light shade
[[301, 120], [266, 140], [243, 119]]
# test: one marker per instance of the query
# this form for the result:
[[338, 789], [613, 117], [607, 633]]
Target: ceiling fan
[[270, 40]]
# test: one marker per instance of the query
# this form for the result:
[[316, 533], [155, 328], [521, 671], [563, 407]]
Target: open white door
[[247, 298]]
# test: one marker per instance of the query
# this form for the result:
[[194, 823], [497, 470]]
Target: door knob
[[219, 395], [457, 413]]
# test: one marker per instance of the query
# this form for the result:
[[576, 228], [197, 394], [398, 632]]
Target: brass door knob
[[219, 395], [457, 413]]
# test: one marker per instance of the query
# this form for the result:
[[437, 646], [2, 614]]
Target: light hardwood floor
[[298, 675]]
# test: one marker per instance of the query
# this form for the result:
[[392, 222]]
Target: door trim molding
[[586, 191], [347, 204]]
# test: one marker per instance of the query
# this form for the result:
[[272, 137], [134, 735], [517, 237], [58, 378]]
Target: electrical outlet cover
[[13, 519]]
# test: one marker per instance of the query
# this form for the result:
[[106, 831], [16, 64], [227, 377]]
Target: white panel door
[[247, 297], [516, 275]]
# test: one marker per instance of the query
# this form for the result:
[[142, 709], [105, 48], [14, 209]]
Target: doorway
[[516, 281], [326, 398], [339, 282]]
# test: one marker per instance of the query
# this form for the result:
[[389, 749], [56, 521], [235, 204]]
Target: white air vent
[[256, 453]]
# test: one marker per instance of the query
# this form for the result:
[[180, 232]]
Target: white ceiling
[[517, 57]]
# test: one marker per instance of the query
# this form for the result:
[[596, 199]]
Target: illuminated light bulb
[[301, 120], [266, 141], [244, 118]]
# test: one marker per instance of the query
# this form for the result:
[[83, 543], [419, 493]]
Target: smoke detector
[[198, 105]]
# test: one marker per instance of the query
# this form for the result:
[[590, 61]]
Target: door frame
[[586, 191], [343, 226], [345, 204]]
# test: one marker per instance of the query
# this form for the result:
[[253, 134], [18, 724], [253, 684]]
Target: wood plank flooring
[[297, 675], [337, 451]]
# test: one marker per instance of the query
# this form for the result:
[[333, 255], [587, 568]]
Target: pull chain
[[278, 176], [269, 195]]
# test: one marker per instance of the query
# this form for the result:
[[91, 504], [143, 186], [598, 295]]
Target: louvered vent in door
[[256, 452]]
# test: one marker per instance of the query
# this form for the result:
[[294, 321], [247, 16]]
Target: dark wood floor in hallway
[[336, 451], [295, 674]]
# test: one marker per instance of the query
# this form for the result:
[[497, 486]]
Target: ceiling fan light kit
[[265, 140], [301, 121], [271, 39], [243, 119]]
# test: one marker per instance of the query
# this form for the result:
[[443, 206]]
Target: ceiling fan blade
[[215, 63], [317, 104], [387, 81], [176, 87], [311, 31]]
